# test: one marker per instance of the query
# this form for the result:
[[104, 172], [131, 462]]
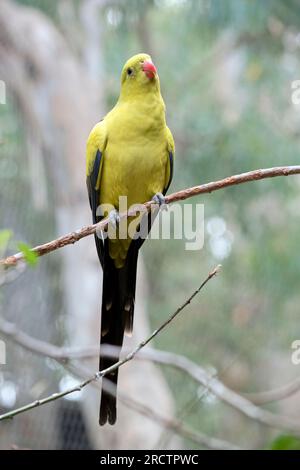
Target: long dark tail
[[116, 318]]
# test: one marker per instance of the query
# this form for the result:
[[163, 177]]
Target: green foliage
[[30, 256], [285, 442]]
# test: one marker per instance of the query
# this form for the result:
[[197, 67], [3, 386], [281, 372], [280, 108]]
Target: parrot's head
[[139, 75]]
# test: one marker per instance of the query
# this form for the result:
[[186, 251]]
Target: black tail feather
[[116, 318]]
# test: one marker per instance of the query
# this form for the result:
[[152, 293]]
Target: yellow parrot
[[129, 153]]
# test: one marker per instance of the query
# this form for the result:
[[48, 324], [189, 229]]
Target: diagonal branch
[[277, 394], [173, 425], [77, 235], [225, 394], [62, 355], [115, 366], [196, 372]]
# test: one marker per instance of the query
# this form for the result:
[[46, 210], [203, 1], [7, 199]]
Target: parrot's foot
[[159, 199], [114, 218]]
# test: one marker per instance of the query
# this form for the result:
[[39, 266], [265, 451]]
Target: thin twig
[[63, 355], [213, 384], [221, 391], [173, 425], [115, 366], [77, 235], [142, 344]]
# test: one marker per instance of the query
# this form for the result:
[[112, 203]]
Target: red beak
[[149, 69]]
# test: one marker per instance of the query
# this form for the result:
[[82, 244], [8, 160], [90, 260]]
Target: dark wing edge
[[94, 197], [171, 161]]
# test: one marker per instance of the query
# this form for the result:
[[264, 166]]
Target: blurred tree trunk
[[60, 99]]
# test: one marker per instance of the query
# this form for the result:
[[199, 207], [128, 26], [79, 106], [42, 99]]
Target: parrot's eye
[[129, 71]]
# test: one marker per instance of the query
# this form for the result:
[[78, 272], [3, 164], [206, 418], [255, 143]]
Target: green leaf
[[286, 442], [30, 256], [5, 236]]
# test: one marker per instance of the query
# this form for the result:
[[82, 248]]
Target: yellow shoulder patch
[[96, 141]]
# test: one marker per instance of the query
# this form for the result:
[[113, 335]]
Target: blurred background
[[226, 70]]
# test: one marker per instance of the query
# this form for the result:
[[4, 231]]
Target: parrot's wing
[[94, 162], [170, 163], [93, 189]]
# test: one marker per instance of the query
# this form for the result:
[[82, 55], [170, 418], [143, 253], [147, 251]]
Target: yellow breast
[[134, 161]]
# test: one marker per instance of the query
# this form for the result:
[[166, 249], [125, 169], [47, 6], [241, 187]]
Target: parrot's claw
[[114, 218], [159, 199]]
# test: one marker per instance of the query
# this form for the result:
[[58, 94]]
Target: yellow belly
[[135, 172]]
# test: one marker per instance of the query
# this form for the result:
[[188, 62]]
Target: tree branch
[[277, 394], [196, 372], [173, 425], [42, 348], [216, 387], [65, 354], [225, 394], [62, 355], [77, 235], [115, 366]]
